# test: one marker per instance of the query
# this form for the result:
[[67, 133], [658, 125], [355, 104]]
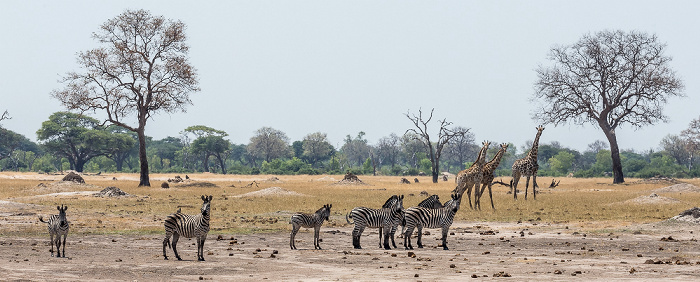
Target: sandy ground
[[522, 251]]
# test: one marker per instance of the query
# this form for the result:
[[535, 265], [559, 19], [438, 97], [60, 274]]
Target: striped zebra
[[432, 202], [420, 217], [384, 218], [306, 220], [188, 226], [58, 226]]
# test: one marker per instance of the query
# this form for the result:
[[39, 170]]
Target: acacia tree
[[210, 142], [141, 68], [608, 79], [444, 136]]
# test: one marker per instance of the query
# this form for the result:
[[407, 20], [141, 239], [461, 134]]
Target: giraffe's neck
[[497, 158], [535, 144], [481, 159]]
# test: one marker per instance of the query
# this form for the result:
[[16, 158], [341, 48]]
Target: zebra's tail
[[41, 218], [347, 218]]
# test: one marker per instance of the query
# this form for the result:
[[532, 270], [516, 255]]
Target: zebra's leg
[[176, 236], [52, 242], [295, 229], [356, 238], [391, 234], [64, 244], [527, 181], [387, 232], [445, 230], [317, 237], [200, 247], [58, 245], [407, 238], [381, 232], [166, 242], [420, 236]]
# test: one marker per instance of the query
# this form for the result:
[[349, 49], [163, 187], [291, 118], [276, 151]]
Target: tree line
[[69, 141]]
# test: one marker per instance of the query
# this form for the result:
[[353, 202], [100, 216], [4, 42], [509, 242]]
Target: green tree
[[210, 142], [562, 162], [140, 69], [269, 143], [316, 148], [75, 137]]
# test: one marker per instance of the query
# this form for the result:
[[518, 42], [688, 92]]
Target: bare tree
[[461, 149], [388, 149], [691, 135], [269, 143], [608, 79], [5, 115], [444, 136], [597, 145], [141, 69]]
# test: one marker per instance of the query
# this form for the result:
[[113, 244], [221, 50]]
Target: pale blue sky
[[341, 67]]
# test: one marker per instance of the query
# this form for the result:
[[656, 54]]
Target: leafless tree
[[461, 149], [607, 79], [5, 115], [269, 143], [597, 145], [691, 135], [676, 147], [445, 134], [141, 68]]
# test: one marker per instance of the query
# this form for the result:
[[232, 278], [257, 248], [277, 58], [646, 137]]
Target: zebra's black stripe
[[420, 217], [188, 226], [58, 226], [306, 220], [383, 218]]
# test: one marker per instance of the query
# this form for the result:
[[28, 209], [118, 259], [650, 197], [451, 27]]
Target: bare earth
[[522, 251]]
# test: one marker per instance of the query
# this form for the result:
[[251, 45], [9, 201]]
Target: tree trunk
[[143, 158], [221, 162], [79, 165], [435, 173], [205, 162], [615, 155]]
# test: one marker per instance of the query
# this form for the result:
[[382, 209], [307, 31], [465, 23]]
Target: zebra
[[383, 218], [58, 226], [432, 202], [419, 217], [309, 220], [188, 226]]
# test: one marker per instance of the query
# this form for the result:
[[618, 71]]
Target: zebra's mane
[[321, 209], [390, 201], [428, 199]]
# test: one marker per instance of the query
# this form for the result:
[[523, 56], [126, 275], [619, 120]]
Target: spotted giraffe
[[487, 175], [527, 167], [468, 178]]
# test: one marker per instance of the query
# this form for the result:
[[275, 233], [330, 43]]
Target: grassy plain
[[591, 204]]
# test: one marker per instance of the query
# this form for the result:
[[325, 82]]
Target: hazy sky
[[341, 67]]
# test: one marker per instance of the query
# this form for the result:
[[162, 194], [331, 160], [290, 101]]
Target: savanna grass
[[589, 203]]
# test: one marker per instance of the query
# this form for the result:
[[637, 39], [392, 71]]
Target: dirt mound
[[326, 178], [273, 179], [680, 187], [652, 199], [691, 215], [659, 179], [350, 179], [62, 186], [74, 177], [112, 192], [272, 191], [200, 184]]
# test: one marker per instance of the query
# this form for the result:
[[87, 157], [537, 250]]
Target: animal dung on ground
[[164, 185]]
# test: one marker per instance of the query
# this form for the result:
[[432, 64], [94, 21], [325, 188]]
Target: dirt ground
[[514, 251]]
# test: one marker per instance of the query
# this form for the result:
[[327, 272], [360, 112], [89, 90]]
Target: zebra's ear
[[58, 208], [211, 197], [203, 198], [65, 208], [330, 206]]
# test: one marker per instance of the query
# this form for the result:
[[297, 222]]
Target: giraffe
[[468, 178], [487, 175], [527, 167]]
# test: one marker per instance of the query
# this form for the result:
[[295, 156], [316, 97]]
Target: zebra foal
[[188, 226], [306, 220], [384, 219], [58, 226], [420, 217]]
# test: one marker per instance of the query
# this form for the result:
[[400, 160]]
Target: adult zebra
[[58, 226], [309, 220], [384, 218], [432, 202], [420, 217], [188, 226]]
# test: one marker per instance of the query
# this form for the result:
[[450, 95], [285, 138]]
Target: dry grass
[[587, 203]]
